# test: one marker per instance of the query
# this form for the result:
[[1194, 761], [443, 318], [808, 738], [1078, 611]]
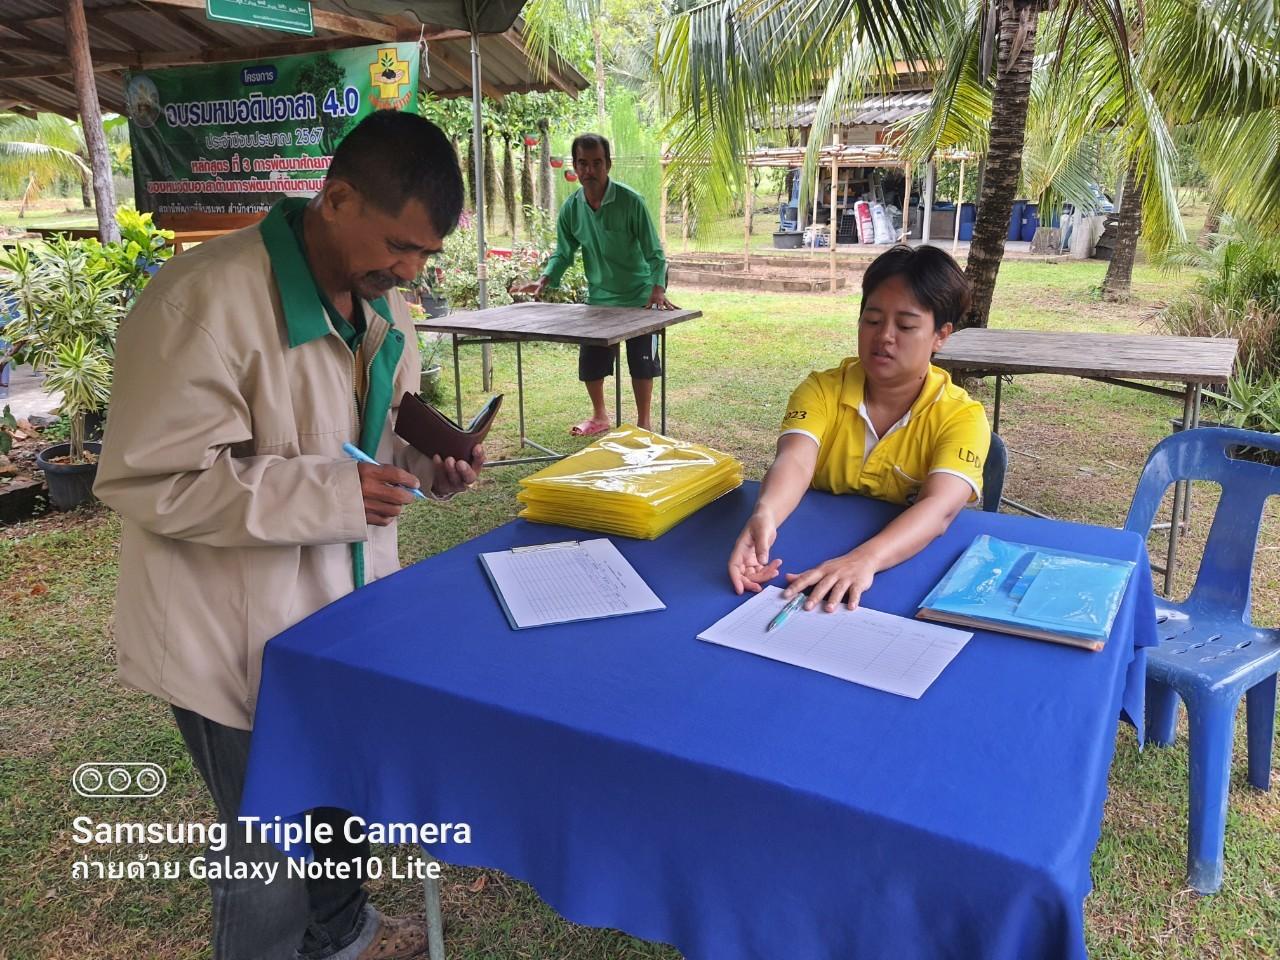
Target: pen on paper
[[792, 606]]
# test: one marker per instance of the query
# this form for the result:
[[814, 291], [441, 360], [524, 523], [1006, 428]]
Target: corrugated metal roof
[[877, 110], [135, 34]]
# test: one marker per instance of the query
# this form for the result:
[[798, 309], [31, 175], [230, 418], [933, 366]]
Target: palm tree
[[729, 61], [543, 18], [1002, 171], [1182, 61], [732, 61], [35, 151]]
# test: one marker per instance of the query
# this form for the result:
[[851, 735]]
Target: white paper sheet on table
[[563, 582], [875, 649]]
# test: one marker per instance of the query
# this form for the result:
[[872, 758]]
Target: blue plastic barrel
[[1030, 222], [1015, 219], [968, 214]]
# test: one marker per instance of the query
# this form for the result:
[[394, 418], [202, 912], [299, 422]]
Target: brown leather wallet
[[430, 432]]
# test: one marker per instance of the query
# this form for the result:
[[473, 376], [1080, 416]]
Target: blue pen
[[355, 453], [792, 606]]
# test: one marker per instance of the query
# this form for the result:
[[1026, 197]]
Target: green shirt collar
[[304, 312], [609, 193]]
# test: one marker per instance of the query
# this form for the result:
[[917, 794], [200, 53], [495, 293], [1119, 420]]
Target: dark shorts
[[643, 362]]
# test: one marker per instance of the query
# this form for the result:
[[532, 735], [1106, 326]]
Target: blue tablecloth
[[684, 792]]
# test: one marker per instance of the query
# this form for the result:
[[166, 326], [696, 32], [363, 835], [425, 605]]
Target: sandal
[[589, 428]]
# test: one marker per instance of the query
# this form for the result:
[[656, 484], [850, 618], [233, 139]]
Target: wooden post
[[817, 180], [906, 203], [104, 198], [926, 225], [684, 217], [955, 241], [746, 223], [831, 236], [662, 204]]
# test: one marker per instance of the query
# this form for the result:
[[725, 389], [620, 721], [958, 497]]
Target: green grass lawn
[[47, 213], [1076, 450]]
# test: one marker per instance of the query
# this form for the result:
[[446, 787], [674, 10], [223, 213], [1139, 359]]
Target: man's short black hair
[[392, 156], [936, 280], [589, 140]]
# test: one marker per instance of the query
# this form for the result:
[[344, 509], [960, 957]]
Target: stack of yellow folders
[[629, 482]]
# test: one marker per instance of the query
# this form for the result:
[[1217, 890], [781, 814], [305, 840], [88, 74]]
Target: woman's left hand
[[841, 579]]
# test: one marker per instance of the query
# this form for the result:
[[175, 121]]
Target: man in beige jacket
[[240, 373]]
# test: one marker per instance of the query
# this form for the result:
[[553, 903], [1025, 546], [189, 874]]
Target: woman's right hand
[[749, 564]]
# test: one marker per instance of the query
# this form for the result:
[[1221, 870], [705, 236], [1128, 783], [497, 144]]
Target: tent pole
[[482, 266]]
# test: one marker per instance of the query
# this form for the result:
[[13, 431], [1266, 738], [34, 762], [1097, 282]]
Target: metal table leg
[[662, 352], [519, 389], [995, 414], [435, 917], [550, 454], [1179, 493], [617, 386], [457, 379], [1195, 422]]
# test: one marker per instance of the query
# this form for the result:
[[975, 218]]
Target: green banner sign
[[291, 16], [236, 137]]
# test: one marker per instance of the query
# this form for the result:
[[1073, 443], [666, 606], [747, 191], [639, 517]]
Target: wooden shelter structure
[[69, 56]]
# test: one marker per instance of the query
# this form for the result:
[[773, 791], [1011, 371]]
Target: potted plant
[[431, 297], [429, 345], [69, 305]]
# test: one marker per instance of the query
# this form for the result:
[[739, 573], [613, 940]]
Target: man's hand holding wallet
[[457, 452]]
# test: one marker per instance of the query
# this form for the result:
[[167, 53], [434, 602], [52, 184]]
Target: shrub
[[1250, 401], [457, 268], [1239, 297], [69, 305]]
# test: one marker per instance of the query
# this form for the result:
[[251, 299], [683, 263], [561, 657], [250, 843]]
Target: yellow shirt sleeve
[[962, 446], [808, 409]]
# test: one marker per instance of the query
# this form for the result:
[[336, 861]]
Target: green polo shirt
[[310, 315], [621, 252]]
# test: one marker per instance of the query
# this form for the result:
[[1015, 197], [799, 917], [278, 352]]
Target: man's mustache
[[381, 280]]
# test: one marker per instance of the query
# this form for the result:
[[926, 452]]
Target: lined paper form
[[562, 582], [880, 650]]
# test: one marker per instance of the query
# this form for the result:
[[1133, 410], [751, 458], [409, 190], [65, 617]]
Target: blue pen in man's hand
[[792, 606], [355, 453]]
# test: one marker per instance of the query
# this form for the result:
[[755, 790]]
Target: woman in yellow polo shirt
[[886, 424]]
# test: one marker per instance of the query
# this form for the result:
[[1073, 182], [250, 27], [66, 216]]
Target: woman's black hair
[[936, 280]]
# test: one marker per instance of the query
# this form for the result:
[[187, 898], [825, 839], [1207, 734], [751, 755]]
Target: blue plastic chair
[[1209, 652], [993, 472]]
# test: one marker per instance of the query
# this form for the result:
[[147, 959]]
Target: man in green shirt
[[625, 267]]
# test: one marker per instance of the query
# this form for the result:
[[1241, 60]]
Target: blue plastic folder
[[1031, 591]]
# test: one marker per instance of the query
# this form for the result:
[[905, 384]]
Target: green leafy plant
[[68, 308], [534, 253], [59, 431], [459, 273], [458, 268], [1251, 401], [142, 249], [82, 372], [1239, 296], [430, 346]]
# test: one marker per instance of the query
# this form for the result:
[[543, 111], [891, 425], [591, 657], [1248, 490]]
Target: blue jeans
[[289, 917]]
